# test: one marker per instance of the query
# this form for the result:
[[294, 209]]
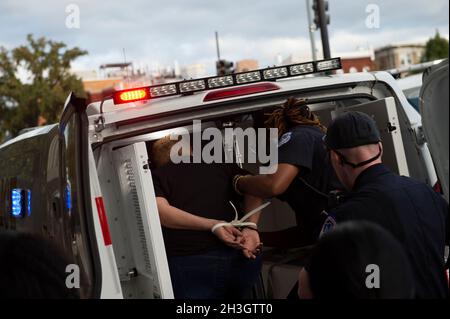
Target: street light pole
[[311, 30]]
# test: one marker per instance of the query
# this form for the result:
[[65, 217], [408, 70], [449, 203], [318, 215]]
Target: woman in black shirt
[[192, 198]]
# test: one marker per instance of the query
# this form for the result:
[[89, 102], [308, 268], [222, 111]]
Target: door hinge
[[99, 124], [391, 127]]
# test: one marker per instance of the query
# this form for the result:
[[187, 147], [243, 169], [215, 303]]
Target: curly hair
[[292, 113]]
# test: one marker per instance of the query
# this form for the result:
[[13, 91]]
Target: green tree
[[39, 92], [436, 48]]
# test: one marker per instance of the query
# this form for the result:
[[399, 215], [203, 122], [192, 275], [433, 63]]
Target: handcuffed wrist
[[218, 225], [249, 227]]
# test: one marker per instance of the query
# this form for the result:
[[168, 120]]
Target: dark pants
[[217, 274]]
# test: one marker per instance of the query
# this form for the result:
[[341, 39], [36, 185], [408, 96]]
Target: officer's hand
[[251, 243], [230, 235]]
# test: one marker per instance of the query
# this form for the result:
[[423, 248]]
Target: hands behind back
[[230, 235], [246, 240], [251, 243]]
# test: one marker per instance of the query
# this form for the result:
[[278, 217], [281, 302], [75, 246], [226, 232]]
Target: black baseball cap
[[351, 129]]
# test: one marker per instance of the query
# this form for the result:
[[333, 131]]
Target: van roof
[[35, 132], [114, 113]]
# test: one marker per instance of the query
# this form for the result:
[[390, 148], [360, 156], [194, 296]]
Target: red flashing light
[[240, 91], [131, 95]]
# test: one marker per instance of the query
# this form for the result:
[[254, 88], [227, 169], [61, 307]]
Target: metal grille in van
[[137, 212]]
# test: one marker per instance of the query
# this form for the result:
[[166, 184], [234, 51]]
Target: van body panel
[[434, 106], [111, 288]]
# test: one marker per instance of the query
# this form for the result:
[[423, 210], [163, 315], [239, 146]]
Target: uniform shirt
[[303, 147], [199, 189], [415, 214]]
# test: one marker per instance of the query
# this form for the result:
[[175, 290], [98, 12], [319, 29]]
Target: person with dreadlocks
[[303, 177]]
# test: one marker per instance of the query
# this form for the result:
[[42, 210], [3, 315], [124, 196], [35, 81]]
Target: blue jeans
[[216, 274]]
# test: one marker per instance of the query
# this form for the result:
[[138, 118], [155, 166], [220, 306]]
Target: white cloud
[[157, 32]]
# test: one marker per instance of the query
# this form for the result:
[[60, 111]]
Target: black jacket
[[413, 212]]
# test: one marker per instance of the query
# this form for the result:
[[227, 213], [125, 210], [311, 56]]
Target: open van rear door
[[144, 251], [384, 113], [84, 220], [434, 107]]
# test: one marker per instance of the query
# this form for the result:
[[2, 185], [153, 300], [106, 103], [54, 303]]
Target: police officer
[[303, 177], [415, 214]]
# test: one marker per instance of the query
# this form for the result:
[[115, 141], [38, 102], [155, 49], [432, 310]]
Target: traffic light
[[224, 67], [316, 20], [317, 6], [321, 20], [325, 9]]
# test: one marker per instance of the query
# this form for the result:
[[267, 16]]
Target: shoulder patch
[[286, 137], [328, 225]]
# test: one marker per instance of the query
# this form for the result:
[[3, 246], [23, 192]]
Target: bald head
[[348, 163], [361, 153]]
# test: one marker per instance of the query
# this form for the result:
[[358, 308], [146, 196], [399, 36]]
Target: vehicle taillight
[[239, 91], [103, 221], [131, 95]]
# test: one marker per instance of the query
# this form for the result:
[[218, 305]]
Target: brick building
[[396, 56], [357, 61], [246, 65]]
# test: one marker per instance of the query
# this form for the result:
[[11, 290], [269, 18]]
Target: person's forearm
[[270, 185], [172, 217], [250, 203], [259, 186]]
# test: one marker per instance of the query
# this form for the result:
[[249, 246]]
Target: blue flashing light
[[68, 198], [29, 203], [16, 202]]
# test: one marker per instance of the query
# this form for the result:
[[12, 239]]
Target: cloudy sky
[[158, 32]]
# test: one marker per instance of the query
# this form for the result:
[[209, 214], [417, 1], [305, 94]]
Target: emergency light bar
[[132, 95], [214, 82], [20, 202]]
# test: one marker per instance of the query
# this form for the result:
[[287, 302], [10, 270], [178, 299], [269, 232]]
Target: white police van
[[85, 182]]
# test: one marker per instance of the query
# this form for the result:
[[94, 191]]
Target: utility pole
[[321, 20], [223, 67], [311, 29], [217, 46]]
